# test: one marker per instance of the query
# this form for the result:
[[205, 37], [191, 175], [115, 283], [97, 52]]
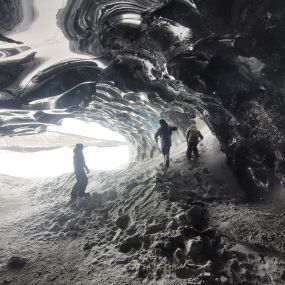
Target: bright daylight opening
[[51, 153]]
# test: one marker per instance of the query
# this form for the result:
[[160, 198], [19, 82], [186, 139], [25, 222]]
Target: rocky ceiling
[[222, 60]]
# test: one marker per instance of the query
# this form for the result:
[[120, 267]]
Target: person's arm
[[157, 134], [200, 136], [84, 164], [173, 128], [187, 135]]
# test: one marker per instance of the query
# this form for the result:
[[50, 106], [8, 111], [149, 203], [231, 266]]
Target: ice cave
[[86, 84]]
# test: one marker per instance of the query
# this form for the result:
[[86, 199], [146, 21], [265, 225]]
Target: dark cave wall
[[256, 99], [237, 59]]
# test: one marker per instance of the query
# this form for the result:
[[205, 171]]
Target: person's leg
[[83, 180], [188, 156], [189, 151], [167, 160], [74, 191], [164, 153], [195, 150], [167, 150]]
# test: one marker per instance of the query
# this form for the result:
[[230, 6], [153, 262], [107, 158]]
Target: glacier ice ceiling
[[125, 64]]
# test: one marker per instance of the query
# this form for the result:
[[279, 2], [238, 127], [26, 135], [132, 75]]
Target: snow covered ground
[[188, 224]]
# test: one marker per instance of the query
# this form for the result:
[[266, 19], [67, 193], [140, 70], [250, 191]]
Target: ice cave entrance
[[51, 153]]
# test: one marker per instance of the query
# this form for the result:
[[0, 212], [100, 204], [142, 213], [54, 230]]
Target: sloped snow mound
[[143, 224]]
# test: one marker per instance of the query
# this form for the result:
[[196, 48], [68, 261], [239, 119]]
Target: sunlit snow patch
[[51, 154]]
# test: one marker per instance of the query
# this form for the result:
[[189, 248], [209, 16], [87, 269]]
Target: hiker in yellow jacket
[[193, 137]]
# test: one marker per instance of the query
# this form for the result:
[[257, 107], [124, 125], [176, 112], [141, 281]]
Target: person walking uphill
[[79, 171], [165, 132], [193, 137]]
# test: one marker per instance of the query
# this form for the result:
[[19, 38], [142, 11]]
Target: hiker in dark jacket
[[79, 170], [193, 137], [165, 132]]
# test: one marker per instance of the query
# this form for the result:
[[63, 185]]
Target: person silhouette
[[80, 166], [165, 132], [193, 137]]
